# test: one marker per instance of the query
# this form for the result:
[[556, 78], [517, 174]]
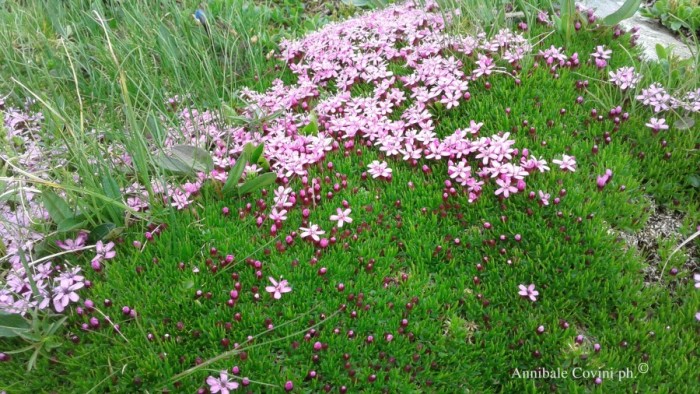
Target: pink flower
[[567, 163], [342, 216], [696, 277], [625, 78], [657, 125], [603, 180], [312, 231], [379, 169], [73, 244], [528, 292], [222, 384], [506, 187], [276, 215], [105, 250], [278, 288], [544, 198], [65, 293], [601, 55]]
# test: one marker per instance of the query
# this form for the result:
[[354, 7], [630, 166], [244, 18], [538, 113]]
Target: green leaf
[[566, 22], [154, 129], [194, 157], [235, 174], [312, 127], [11, 325], [694, 180], [262, 162], [104, 231], [70, 224], [173, 165], [627, 10], [258, 182], [661, 52], [111, 190], [684, 123], [56, 206], [248, 149], [188, 284], [229, 113], [257, 153]]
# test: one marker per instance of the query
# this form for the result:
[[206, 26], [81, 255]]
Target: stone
[[651, 32]]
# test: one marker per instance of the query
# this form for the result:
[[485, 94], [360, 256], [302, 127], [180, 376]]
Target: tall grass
[[103, 71]]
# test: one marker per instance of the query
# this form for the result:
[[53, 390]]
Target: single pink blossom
[[222, 384], [278, 288], [567, 163], [342, 216], [528, 292], [312, 231]]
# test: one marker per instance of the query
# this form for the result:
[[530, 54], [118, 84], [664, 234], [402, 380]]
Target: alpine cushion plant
[[413, 194]]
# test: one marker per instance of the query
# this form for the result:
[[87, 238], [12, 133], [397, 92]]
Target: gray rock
[[650, 31]]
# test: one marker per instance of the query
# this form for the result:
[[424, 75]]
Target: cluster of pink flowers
[[660, 100], [19, 230], [625, 78]]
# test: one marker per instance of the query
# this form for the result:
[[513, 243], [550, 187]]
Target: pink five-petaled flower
[[73, 244], [506, 187], [222, 384], [697, 280], [657, 125], [342, 216], [103, 252], [379, 169], [278, 288], [106, 251], [312, 231], [65, 293], [528, 292], [567, 163]]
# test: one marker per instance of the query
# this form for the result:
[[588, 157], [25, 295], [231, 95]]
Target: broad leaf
[[194, 157], [312, 127], [72, 223], [229, 113], [258, 182], [11, 325], [694, 181], [104, 231], [235, 174], [627, 10], [154, 129], [684, 123], [257, 153], [173, 165], [566, 22], [111, 190], [56, 206], [661, 52]]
